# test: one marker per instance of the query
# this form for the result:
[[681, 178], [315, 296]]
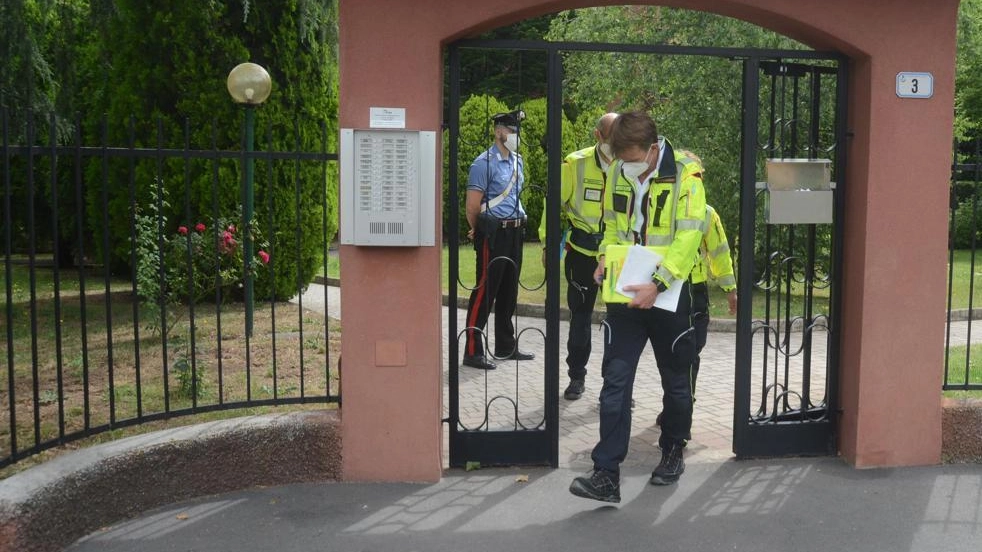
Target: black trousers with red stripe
[[499, 264]]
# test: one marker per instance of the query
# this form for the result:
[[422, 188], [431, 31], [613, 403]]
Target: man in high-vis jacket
[[581, 200], [655, 198], [714, 263]]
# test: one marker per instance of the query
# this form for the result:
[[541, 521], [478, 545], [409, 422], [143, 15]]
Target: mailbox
[[799, 191]]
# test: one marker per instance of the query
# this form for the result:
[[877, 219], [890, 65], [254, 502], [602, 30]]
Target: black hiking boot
[[574, 390], [601, 485], [671, 466]]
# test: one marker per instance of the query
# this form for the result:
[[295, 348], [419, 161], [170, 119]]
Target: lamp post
[[249, 84]]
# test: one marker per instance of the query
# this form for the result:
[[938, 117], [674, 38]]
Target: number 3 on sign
[[915, 85]]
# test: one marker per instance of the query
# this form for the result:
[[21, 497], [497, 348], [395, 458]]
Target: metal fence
[[122, 278], [963, 346]]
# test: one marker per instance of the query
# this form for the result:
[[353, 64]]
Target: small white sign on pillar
[[915, 85], [387, 117]]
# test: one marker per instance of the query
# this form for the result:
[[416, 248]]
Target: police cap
[[512, 119]]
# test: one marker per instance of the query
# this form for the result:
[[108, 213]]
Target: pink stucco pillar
[[895, 223]]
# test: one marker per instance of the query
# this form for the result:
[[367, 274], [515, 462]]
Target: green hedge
[[164, 63]]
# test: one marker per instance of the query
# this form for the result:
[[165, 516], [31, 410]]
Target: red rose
[[200, 227], [263, 256], [231, 228], [182, 230]]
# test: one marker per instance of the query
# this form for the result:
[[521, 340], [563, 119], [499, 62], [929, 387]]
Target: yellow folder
[[613, 262]]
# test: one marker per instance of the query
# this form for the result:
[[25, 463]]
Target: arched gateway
[[884, 406]]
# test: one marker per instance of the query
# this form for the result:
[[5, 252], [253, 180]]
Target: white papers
[[639, 264]]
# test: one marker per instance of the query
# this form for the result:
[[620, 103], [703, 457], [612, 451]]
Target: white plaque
[[387, 117], [915, 85]]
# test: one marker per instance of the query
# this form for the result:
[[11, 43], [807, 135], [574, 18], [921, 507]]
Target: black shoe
[[601, 485], [514, 354], [658, 419], [671, 466], [574, 390], [478, 361]]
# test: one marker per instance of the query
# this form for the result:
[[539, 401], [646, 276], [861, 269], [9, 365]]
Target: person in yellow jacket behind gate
[[714, 262], [581, 200], [654, 197]]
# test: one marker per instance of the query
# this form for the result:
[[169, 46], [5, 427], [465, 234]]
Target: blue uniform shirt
[[490, 173]]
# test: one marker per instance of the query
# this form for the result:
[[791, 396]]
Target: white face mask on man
[[605, 151], [634, 169], [511, 142]]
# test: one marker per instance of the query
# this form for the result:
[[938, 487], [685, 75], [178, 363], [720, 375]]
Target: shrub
[[190, 263], [966, 226]]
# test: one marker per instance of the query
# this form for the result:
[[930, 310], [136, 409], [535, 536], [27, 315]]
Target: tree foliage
[[968, 74], [691, 97]]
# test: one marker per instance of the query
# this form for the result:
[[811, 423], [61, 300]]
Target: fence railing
[[122, 277], [963, 341]]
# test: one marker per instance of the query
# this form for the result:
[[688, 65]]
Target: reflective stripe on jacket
[[714, 254], [581, 196], [673, 215]]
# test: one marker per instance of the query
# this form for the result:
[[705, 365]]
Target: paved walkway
[[804, 505], [801, 504]]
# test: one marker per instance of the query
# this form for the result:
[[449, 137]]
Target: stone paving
[[517, 387], [579, 421]]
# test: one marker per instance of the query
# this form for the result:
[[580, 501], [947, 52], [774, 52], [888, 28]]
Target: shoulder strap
[[514, 178]]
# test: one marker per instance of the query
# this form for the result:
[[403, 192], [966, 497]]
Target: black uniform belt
[[701, 286], [512, 223], [585, 240]]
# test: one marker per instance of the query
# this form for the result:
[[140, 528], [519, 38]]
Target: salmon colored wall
[[895, 220]]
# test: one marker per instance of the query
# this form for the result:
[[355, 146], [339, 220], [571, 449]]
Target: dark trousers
[[581, 296], [499, 264], [672, 339], [700, 321]]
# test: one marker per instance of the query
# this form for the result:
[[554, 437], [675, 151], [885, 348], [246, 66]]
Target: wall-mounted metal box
[[799, 191], [388, 187]]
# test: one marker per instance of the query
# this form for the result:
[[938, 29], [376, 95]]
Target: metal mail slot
[[799, 207]]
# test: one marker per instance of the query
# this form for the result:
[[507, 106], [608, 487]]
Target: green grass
[[533, 290], [139, 368], [966, 277], [956, 374]]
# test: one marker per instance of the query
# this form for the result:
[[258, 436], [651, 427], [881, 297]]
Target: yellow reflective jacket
[[581, 197], [674, 208], [714, 254]]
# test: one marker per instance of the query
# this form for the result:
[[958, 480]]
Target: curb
[[50, 506]]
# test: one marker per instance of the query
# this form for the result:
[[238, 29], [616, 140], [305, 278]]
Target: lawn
[[533, 288], [966, 280], [966, 275], [956, 373], [98, 354]]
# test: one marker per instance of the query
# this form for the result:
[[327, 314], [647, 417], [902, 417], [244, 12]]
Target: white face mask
[[511, 142], [634, 169], [605, 151]]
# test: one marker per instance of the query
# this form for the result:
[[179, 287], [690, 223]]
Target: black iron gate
[[512, 415], [787, 327], [783, 405]]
